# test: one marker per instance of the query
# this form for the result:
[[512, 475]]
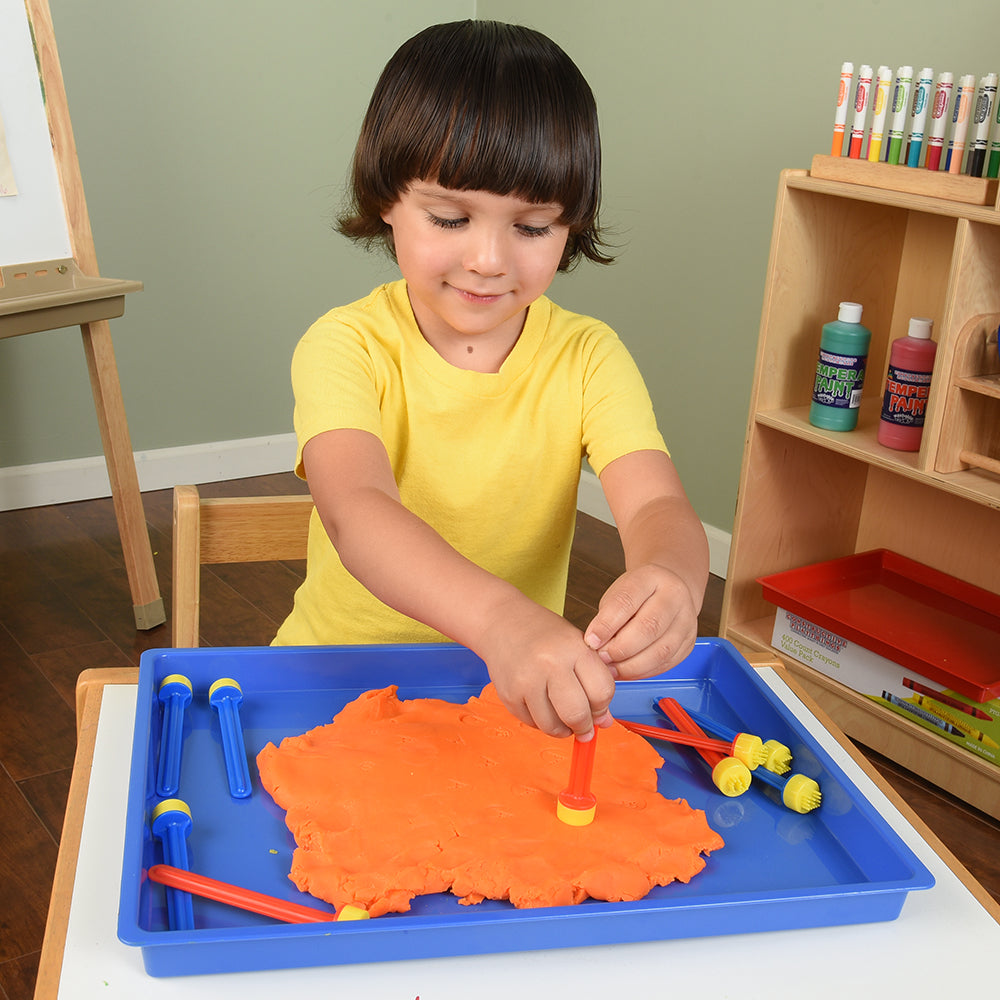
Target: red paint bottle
[[907, 387]]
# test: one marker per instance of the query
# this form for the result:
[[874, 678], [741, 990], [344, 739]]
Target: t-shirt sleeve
[[618, 414], [334, 383]]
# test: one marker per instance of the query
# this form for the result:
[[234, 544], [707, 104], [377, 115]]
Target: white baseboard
[[87, 478], [591, 500]]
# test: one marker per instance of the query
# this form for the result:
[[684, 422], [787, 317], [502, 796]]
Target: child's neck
[[478, 352], [473, 354]]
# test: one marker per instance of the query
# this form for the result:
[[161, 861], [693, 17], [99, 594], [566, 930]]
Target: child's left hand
[[647, 622]]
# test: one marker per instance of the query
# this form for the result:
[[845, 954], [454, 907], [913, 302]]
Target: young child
[[442, 420]]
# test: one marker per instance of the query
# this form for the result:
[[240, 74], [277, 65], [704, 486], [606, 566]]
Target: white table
[[949, 927]]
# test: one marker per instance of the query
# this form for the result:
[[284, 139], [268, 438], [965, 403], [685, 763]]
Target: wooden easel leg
[[146, 600]]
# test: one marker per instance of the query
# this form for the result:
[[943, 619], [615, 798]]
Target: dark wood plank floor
[[65, 607]]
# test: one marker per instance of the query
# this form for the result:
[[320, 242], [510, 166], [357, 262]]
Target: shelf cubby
[[808, 495]]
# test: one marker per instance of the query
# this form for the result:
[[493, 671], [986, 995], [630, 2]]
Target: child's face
[[473, 261]]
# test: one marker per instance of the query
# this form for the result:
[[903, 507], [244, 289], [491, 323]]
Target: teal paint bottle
[[840, 371]]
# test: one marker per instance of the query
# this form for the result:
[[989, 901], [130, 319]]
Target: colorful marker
[[994, 168], [922, 91], [960, 123], [880, 105], [840, 116], [982, 118], [900, 106], [861, 96], [939, 119]]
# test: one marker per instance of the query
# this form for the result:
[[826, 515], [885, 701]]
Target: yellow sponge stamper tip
[[575, 817], [749, 749], [779, 757], [224, 682], [349, 912], [731, 777], [801, 794], [171, 805], [175, 679]]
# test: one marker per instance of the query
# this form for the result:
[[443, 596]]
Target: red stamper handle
[[577, 804], [675, 736], [730, 776], [246, 899]]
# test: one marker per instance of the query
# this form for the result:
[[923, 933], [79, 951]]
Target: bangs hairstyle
[[481, 106]]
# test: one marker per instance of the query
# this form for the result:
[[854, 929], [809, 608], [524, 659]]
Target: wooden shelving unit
[[808, 495]]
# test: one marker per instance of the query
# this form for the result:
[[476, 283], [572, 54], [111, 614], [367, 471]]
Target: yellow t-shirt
[[490, 461]]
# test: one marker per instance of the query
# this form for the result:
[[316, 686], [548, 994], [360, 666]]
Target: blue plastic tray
[[840, 864]]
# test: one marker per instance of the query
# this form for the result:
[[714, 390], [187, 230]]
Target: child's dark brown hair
[[485, 106]]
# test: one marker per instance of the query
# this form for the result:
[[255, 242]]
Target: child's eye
[[444, 223], [531, 231]]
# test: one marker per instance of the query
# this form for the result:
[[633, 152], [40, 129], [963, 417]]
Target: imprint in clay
[[395, 799]]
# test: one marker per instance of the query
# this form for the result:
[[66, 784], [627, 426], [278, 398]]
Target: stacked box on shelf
[[921, 643]]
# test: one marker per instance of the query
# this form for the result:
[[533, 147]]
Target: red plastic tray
[[940, 626]]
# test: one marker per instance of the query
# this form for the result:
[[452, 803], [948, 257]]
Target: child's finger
[[545, 716], [581, 698], [661, 655], [618, 606]]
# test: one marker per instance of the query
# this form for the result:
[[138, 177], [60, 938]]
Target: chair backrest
[[228, 530]]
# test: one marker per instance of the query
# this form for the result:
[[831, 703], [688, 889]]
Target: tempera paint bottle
[[840, 371], [907, 387]]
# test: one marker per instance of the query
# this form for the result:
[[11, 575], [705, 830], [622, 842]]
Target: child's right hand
[[545, 673]]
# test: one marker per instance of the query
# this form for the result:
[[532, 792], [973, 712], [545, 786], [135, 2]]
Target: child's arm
[[648, 618], [544, 672]]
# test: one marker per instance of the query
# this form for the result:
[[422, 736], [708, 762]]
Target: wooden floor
[[65, 606]]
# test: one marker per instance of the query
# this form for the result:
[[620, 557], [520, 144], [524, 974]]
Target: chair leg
[[186, 566]]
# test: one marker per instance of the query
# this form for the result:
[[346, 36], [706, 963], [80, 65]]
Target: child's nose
[[484, 254]]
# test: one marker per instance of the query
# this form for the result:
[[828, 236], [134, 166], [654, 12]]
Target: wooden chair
[[228, 530]]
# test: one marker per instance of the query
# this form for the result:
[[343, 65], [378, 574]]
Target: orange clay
[[396, 799], [577, 804]]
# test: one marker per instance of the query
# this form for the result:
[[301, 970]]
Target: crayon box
[[970, 724]]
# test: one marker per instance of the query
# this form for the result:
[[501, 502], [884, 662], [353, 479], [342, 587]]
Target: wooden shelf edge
[[897, 199], [885, 177], [861, 447]]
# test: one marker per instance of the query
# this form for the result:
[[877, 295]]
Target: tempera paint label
[[839, 380], [905, 399]]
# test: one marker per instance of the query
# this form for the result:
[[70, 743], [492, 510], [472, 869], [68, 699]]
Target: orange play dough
[[394, 799]]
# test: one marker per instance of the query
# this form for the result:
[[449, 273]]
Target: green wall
[[214, 138]]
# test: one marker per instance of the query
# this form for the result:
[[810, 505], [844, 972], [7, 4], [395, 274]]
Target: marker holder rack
[[908, 180]]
